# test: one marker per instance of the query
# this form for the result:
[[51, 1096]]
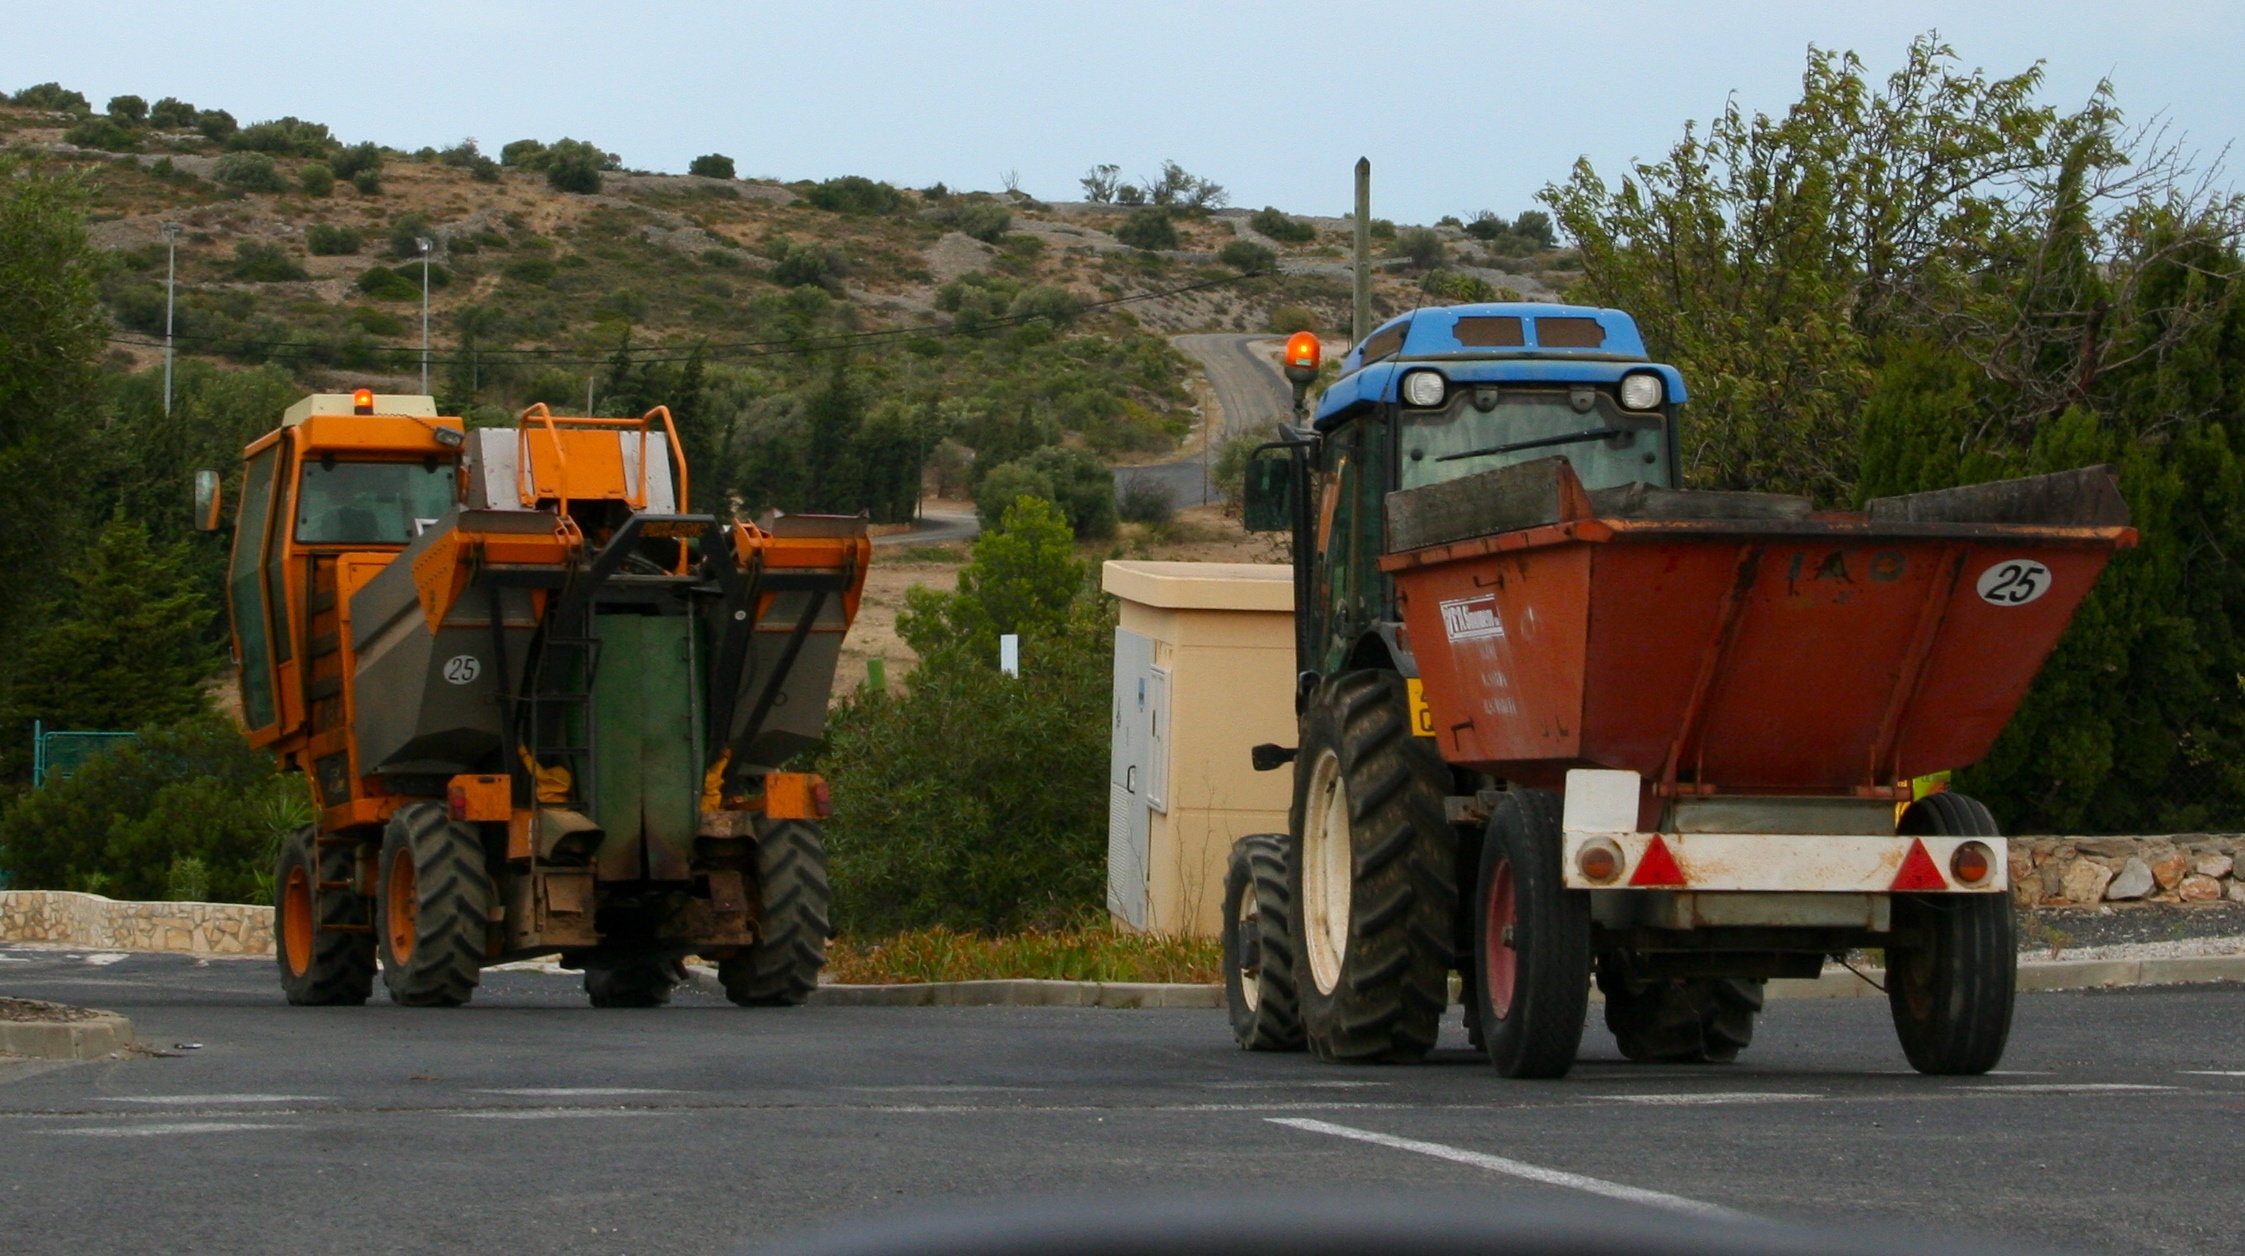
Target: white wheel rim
[[1328, 869], [1244, 929]]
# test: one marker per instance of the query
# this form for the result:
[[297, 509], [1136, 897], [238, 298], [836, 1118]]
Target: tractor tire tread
[[781, 968]]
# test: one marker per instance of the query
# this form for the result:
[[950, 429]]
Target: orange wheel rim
[[402, 908], [296, 920]]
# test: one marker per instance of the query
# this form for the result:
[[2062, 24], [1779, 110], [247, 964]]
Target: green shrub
[[1146, 500], [525, 154], [172, 114], [368, 182], [349, 163], [796, 264], [1071, 478], [251, 172], [854, 194], [1051, 303], [972, 800], [217, 125], [1536, 225], [1422, 246], [1288, 319], [712, 166], [1382, 229], [1282, 227], [129, 110], [1247, 257], [328, 239], [1148, 228], [986, 221], [52, 96], [317, 179], [575, 166], [288, 137], [532, 269], [406, 233], [263, 263], [1457, 288], [187, 808], [384, 284], [102, 133]]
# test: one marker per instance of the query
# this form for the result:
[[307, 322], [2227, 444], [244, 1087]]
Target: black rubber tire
[[1952, 997], [1390, 980], [1538, 1031], [644, 982], [449, 932], [782, 968], [321, 966], [1670, 1020], [1259, 946]]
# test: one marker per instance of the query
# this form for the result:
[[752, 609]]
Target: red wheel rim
[[403, 908], [1500, 963], [296, 920]]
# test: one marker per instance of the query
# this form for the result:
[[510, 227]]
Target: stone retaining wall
[[2177, 868], [103, 924]]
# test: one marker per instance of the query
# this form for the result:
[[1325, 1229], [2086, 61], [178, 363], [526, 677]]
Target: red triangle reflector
[[1918, 871], [1658, 867]]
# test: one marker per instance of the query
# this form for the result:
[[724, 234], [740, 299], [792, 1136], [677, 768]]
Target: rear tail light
[[456, 803], [822, 799], [1973, 863], [1599, 861]]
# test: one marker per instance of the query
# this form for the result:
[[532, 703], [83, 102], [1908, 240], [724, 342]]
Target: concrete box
[[1204, 670]]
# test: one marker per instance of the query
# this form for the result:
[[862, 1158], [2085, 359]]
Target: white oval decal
[[462, 669], [2014, 582]]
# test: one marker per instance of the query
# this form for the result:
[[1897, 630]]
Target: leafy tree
[[1422, 246], [287, 137], [854, 194], [317, 179], [51, 331], [575, 166], [1100, 182], [1024, 578], [188, 808], [1148, 228], [1074, 479], [525, 154], [1007, 483], [103, 133], [327, 239], [51, 96], [1146, 501], [128, 649], [1536, 225], [1281, 226], [1179, 188], [712, 166], [172, 114], [250, 172], [128, 110], [216, 125], [1247, 257], [355, 160]]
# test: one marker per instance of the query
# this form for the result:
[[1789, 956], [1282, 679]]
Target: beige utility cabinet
[[1204, 670]]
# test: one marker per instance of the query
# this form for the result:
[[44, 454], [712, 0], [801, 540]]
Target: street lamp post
[[171, 271], [425, 245]]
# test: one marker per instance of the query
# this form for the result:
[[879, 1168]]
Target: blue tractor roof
[[1496, 342]]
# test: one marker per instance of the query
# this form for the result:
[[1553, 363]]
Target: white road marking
[[944, 1090], [176, 1127], [572, 1092], [1716, 1096], [106, 959], [2018, 1072], [556, 1114], [2213, 1072], [1290, 1085], [2069, 1088], [191, 1100], [1515, 1168]]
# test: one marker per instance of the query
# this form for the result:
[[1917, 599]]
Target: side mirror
[[1268, 504], [206, 501]]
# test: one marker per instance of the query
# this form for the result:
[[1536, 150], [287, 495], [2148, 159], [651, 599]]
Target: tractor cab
[[1437, 395]]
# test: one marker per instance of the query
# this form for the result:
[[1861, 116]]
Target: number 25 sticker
[[462, 669], [2014, 582]]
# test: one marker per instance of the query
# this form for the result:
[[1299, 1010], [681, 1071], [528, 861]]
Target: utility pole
[[425, 244], [171, 272], [1361, 324]]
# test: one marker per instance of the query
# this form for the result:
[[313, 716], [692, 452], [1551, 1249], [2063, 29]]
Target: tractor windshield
[[1483, 429], [370, 503]]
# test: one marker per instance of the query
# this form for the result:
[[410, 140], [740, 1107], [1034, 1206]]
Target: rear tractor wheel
[[782, 968], [1531, 942], [323, 944], [1670, 1020], [435, 904], [1259, 946], [639, 982], [1372, 881], [1952, 994]]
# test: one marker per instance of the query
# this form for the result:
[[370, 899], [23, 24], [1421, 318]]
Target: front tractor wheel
[[782, 968], [434, 909], [1531, 942], [1952, 993], [1372, 881], [1259, 946], [645, 981], [323, 944]]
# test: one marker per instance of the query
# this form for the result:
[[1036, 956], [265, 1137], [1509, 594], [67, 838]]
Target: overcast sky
[[1460, 106]]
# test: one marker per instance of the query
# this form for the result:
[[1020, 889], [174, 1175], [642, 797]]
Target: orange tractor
[[541, 708]]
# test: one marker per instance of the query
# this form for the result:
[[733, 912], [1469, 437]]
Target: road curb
[[88, 1039], [1836, 983]]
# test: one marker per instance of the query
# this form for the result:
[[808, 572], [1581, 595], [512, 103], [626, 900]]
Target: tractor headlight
[[1424, 389], [1642, 391]]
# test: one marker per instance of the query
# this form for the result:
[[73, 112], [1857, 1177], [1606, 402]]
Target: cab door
[[247, 603]]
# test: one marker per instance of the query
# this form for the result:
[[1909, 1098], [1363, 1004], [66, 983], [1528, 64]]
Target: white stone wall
[[103, 924]]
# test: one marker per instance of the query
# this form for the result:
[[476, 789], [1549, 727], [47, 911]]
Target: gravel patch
[[44, 1012], [2083, 929]]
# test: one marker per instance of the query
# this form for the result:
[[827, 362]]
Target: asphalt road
[[529, 1122], [1250, 391]]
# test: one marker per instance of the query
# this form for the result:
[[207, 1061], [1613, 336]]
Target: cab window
[[1617, 447], [370, 503], [244, 590]]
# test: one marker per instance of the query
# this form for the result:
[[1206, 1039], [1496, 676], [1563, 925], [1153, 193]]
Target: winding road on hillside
[[1249, 391]]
